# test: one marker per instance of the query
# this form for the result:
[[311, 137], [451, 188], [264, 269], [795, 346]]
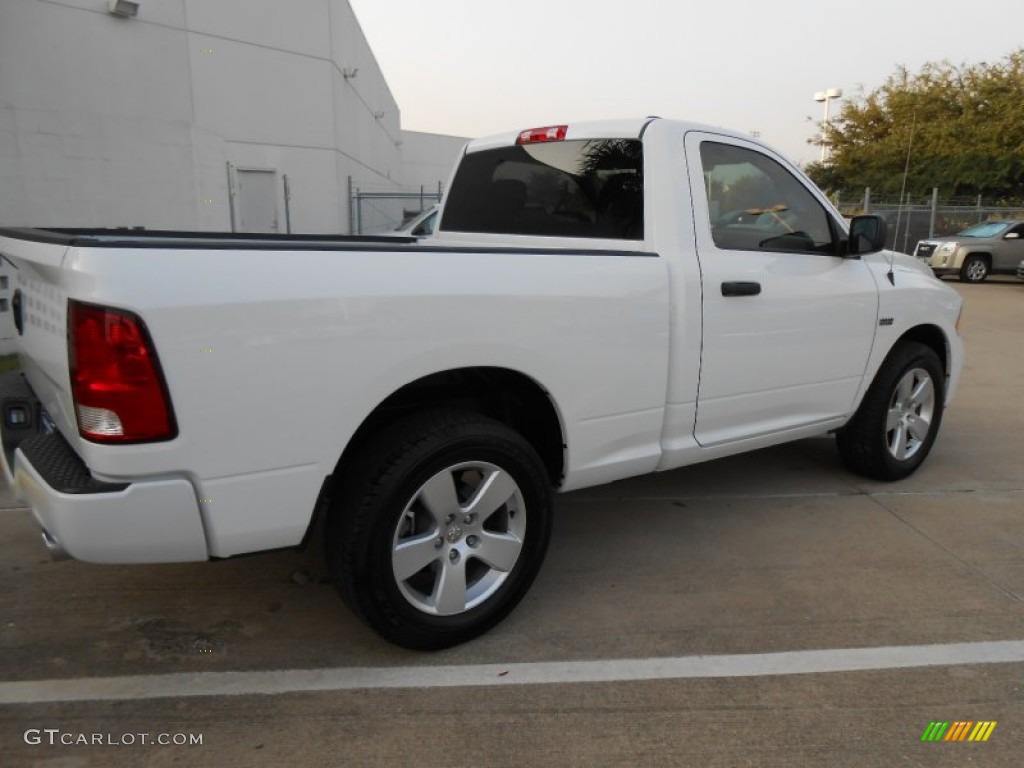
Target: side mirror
[[867, 234]]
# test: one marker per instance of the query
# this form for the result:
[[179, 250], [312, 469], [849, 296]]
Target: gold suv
[[991, 247]]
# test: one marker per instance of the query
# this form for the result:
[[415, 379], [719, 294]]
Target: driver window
[[756, 204]]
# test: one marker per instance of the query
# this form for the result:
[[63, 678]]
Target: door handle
[[740, 289]]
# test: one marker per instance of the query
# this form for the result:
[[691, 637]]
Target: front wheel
[[974, 269], [896, 424], [439, 530]]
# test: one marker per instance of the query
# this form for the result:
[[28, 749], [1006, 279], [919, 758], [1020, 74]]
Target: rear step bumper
[[148, 521]]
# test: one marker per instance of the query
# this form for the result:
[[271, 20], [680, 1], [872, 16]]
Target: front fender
[[914, 305], [964, 251]]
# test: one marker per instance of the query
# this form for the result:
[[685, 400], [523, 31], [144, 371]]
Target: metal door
[[256, 200]]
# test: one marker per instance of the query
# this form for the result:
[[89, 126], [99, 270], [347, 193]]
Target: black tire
[[974, 269], [385, 506], [867, 444]]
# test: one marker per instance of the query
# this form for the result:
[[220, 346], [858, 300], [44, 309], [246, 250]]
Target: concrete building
[[251, 115]]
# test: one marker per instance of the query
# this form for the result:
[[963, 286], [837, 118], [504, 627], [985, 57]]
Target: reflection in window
[[570, 188], [756, 204]]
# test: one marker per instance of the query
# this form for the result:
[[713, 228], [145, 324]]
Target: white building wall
[[429, 157], [91, 118], [109, 122]]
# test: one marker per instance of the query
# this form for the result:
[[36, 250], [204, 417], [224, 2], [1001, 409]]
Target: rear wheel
[[896, 424], [974, 269], [440, 528]]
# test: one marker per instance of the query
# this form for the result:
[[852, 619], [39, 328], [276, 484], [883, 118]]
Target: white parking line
[[533, 673]]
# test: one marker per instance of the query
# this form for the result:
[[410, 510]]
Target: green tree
[[963, 127]]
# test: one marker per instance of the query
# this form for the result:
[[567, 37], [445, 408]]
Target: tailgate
[[39, 298]]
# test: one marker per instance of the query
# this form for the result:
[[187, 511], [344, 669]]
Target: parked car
[[1020, 270], [992, 247], [591, 308], [421, 225]]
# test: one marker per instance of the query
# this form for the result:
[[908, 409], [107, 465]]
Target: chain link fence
[[378, 208], [918, 217]]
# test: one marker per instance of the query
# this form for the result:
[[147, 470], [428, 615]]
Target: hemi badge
[[885, 321]]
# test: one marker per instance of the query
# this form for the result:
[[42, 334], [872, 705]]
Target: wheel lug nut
[[472, 541], [468, 519], [438, 542], [454, 556]]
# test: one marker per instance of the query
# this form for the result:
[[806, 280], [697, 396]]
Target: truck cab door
[[788, 322]]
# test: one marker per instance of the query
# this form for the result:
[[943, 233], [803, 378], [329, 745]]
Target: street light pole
[[826, 97]]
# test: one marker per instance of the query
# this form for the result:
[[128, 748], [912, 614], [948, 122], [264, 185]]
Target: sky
[[477, 67]]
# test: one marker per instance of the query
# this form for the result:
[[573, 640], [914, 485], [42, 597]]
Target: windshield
[[986, 229]]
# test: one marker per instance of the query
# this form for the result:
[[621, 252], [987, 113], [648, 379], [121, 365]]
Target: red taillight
[[116, 380], [537, 135]]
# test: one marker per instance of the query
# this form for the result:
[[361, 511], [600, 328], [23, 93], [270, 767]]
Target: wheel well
[[931, 336], [507, 396], [987, 257]]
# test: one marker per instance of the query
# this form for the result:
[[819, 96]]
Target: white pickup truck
[[601, 300]]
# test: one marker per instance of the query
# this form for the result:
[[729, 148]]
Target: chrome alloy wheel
[[458, 538], [977, 271], [911, 410]]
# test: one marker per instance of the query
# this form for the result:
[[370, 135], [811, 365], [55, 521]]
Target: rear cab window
[[576, 188]]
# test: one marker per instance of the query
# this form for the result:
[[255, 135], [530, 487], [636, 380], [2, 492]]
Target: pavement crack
[[578, 496], [935, 542]]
